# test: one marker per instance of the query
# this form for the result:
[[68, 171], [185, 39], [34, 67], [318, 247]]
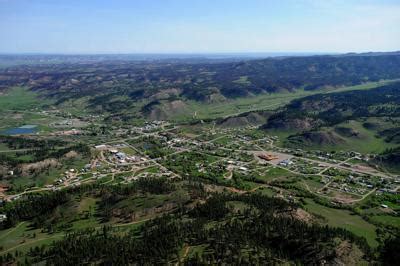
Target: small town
[[155, 150]]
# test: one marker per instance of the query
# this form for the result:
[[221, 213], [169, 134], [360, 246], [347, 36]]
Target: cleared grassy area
[[11, 231], [26, 244], [313, 184], [243, 80], [16, 118], [86, 204], [23, 237], [365, 142], [4, 147], [386, 220], [346, 220], [275, 173], [365, 86], [19, 98], [266, 191]]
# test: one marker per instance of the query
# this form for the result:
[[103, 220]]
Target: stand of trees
[[39, 207], [264, 232]]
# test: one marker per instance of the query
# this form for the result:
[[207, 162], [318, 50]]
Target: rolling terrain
[[186, 89], [366, 121], [118, 161]]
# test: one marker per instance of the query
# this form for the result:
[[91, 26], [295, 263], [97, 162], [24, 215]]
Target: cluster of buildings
[[119, 156], [285, 163], [149, 126], [69, 176], [123, 158]]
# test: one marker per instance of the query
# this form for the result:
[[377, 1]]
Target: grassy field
[[314, 183], [23, 237], [275, 173], [366, 142], [4, 147], [17, 118], [19, 98], [365, 86], [266, 191], [346, 220], [386, 220]]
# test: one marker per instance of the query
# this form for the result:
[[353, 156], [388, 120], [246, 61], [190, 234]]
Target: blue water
[[19, 131]]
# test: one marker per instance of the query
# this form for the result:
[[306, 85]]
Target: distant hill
[[118, 85], [372, 54], [330, 109], [245, 119], [323, 119]]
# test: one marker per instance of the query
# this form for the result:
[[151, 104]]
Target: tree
[[390, 254]]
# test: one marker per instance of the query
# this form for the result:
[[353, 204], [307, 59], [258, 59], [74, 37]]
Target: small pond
[[26, 129]]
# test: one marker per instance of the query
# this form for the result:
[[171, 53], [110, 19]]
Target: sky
[[198, 26]]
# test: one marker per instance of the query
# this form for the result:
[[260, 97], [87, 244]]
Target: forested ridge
[[262, 232], [40, 206], [219, 228], [105, 81]]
